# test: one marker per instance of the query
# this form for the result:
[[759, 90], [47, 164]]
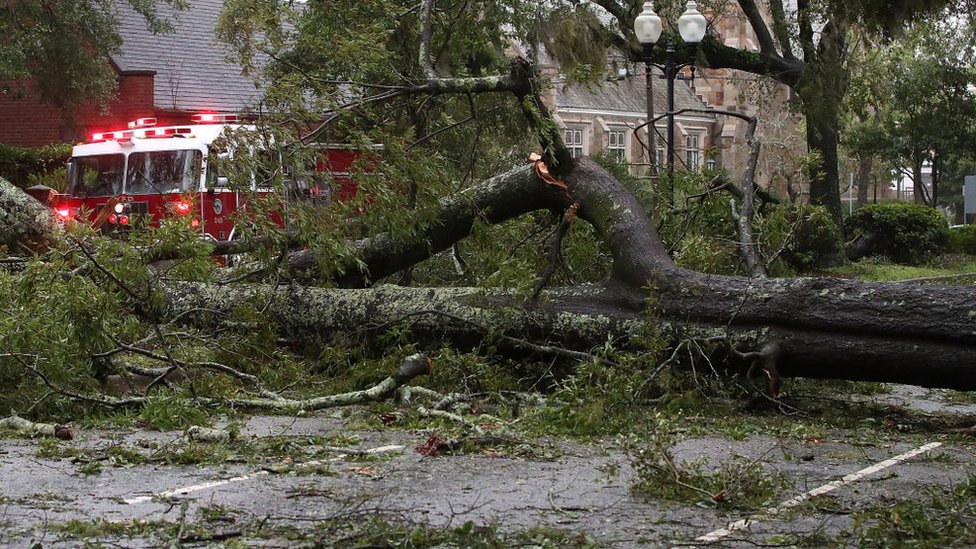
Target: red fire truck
[[140, 175]]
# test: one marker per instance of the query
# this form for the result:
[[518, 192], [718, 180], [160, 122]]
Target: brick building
[[168, 76]]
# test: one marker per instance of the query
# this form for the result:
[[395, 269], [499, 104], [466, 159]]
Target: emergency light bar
[[214, 118], [142, 123], [167, 132], [117, 136]]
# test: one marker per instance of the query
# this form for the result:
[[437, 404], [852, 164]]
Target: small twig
[[425, 412], [217, 536], [672, 358], [111, 402]]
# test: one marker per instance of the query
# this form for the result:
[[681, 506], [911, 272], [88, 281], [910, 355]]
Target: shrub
[[805, 237], [27, 166], [703, 235], [707, 254], [962, 240], [903, 232]]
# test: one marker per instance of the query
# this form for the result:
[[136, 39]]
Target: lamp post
[[648, 27]]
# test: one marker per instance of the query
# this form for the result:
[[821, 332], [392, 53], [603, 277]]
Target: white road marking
[[712, 537], [216, 483]]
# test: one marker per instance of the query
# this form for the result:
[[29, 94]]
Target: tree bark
[[918, 184], [863, 180], [825, 328], [25, 224]]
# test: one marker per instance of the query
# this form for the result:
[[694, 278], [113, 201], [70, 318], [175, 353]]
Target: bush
[[962, 240], [903, 232], [702, 237], [27, 166], [804, 236]]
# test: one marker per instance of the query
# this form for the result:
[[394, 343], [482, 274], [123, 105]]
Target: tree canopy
[[914, 101], [64, 46]]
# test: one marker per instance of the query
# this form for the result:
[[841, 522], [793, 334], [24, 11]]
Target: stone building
[[612, 117]]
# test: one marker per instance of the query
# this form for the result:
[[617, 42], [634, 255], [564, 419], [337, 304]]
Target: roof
[[191, 72], [628, 97]]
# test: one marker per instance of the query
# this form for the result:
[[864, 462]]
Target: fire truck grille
[[137, 218], [138, 207]]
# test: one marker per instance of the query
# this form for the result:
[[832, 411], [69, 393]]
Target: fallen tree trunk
[[810, 327], [26, 225], [807, 342], [823, 328]]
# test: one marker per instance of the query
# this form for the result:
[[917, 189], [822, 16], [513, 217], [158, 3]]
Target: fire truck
[[138, 176]]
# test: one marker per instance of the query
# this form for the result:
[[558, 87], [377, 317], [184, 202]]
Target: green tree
[[916, 103], [807, 49], [63, 46], [932, 114]]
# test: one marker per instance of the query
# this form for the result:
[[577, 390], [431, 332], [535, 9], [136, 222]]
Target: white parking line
[[216, 483], [712, 537]]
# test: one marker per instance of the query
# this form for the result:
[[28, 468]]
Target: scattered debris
[[198, 433], [27, 427], [432, 447]]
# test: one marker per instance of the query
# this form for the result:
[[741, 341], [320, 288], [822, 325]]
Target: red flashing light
[[167, 132], [142, 123], [182, 207], [115, 136], [123, 220], [64, 213], [195, 223], [210, 118], [112, 219]]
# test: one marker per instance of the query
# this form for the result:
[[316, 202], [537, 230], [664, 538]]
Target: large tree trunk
[[918, 183], [828, 328], [820, 328], [822, 89], [831, 328], [822, 136]]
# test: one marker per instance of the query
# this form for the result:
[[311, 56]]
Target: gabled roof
[[191, 73], [627, 97]]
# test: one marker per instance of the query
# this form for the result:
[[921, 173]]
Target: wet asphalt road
[[564, 485]]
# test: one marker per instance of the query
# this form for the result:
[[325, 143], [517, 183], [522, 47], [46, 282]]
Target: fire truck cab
[[145, 173]]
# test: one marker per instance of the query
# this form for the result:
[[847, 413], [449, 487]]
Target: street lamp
[[648, 27]]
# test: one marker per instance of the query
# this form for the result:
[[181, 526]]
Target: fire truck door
[[218, 203]]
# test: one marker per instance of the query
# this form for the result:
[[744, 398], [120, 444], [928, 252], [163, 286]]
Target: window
[[659, 159], [574, 141], [617, 145], [160, 172], [95, 176], [692, 152]]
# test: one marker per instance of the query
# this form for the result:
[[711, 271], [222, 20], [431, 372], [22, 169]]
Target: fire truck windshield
[[159, 172], [94, 176]]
